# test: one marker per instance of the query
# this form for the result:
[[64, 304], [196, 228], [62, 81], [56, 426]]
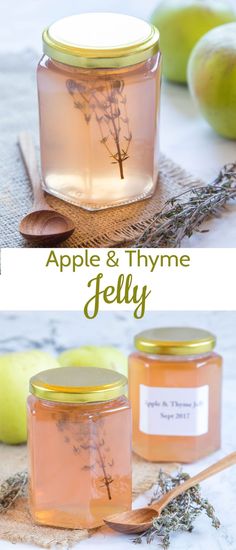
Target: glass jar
[[99, 88], [175, 394], [79, 426]]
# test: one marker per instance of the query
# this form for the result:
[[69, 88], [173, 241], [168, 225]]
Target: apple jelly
[[79, 440], [99, 89], [175, 394]]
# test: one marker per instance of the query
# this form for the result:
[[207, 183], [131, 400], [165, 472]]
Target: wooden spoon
[[42, 225], [138, 521]]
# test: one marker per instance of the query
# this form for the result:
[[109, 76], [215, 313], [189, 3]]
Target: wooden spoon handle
[[28, 154], [222, 464]]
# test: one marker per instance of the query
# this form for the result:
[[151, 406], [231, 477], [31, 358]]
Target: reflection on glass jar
[[175, 394], [99, 91], [79, 471]]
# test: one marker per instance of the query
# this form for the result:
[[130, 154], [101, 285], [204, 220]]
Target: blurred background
[[22, 22], [56, 331]]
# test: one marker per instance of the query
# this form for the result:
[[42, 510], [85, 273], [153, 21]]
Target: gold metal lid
[[100, 40], [78, 384], [175, 341]]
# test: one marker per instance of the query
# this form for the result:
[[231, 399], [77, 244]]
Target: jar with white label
[[175, 393]]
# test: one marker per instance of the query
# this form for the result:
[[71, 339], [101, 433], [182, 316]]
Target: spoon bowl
[[140, 520], [43, 225], [46, 227], [133, 521]]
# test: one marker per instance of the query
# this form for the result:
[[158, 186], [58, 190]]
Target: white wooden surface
[[55, 332], [185, 136]]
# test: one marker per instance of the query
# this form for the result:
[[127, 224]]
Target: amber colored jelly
[[99, 125], [76, 154], [80, 461], [176, 405]]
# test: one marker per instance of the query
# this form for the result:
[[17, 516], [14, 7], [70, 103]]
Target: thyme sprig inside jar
[[175, 394], [99, 88], [79, 470]]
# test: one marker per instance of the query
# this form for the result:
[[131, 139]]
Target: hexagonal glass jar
[[99, 95], [79, 426], [175, 394]]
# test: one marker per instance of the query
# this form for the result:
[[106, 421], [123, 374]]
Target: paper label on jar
[[174, 411]]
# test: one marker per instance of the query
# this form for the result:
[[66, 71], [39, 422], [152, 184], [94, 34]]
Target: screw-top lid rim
[[78, 384], [175, 341], [58, 45]]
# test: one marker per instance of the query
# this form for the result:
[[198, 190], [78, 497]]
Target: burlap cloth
[[16, 525], [19, 111]]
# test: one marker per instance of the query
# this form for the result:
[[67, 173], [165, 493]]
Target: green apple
[[181, 24], [15, 371], [106, 357], [212, 78]]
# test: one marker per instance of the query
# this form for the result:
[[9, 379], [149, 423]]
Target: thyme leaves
[[11, 489], [180, 514], [88, 439], [183, 214], [107, 101]]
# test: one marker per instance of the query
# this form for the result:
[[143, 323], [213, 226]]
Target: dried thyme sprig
[[11, 489], [89, 438], [180, 514], [106, 101], [184, 213]]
